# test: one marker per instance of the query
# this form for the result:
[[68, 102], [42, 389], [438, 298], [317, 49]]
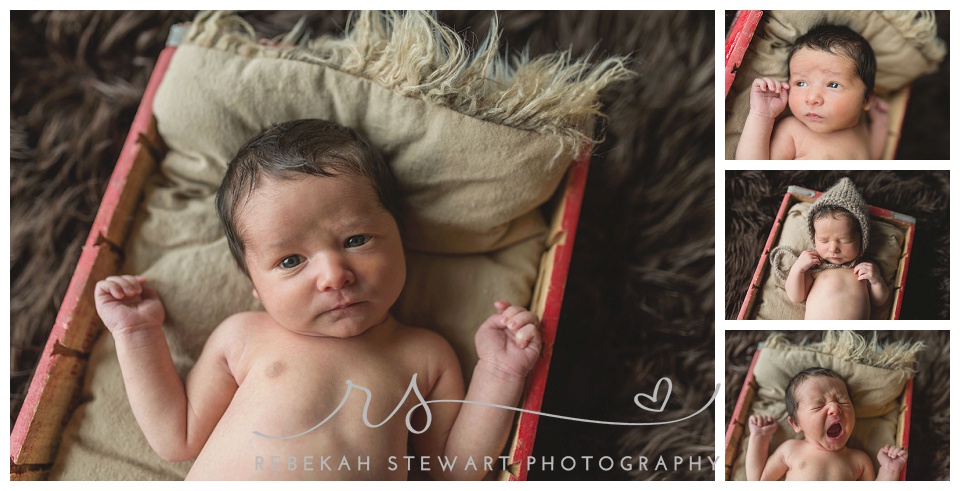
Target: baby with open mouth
[[819, 406]]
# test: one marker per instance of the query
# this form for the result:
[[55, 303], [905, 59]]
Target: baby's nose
[[814, 98], [333, 273]]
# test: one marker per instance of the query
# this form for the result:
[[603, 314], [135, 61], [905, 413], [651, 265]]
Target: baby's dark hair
[[791, 399], [841, 40], [292, 150]]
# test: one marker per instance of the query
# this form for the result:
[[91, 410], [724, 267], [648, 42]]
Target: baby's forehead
[[821, 385], [830, 62], [833, 216]]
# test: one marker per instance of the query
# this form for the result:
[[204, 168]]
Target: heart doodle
[[653, 398]]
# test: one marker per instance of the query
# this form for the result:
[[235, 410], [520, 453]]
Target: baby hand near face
[[768, 97], [509, 340], [866, 271], [127, 304], [893, 457], [763, 426], [807, 260], [879, 112]]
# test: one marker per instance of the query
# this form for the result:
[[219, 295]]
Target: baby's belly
[[837, 294], [342, 448]]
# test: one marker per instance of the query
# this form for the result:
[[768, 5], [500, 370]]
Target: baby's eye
[[833, 85], [801, 84], [291, 262], [357, 240]]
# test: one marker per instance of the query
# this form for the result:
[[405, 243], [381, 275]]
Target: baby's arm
[[762, 429], [176, 428], [508, 344], [878, 289], [768, 98], [879, 126], [892, 459], [798, 280]]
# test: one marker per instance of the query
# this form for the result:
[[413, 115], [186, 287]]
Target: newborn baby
[[831, 74], [819, 406], [829, 277], [312, 217]]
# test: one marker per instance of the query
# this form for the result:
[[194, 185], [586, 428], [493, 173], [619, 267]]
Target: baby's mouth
[[834, 430]]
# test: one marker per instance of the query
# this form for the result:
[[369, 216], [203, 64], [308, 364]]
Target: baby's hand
[[509, 340], [763, 426], [893, 457], [807, 260], [768, 97], [879, 112], [127, 304], [866, 271]]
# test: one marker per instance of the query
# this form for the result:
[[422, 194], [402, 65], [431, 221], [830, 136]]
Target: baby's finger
[[510, 312], [521, 319], [131, 286], [528, 336], [501, 305], [115, 289]]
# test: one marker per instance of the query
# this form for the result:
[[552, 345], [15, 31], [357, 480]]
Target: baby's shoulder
[[237, 328], [787, 132], [790, 124], [422, 338], [425, 346]]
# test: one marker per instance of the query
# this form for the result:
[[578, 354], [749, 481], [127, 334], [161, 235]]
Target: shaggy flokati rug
[[929, 444], [639, 302]]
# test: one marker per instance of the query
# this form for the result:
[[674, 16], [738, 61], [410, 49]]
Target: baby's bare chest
[[848, 144], [311, 381], [819, 465], [837, 294]]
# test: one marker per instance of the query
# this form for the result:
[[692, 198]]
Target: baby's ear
[[255, 294], [794, 425], [866, 103]]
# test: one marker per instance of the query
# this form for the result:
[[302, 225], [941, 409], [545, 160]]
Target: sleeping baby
[[819, 406], [311, 214], [830, 278]]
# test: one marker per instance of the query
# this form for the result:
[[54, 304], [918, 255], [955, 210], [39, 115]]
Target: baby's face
[[826, 93], [324, 256], [836, 239], [824, 412]]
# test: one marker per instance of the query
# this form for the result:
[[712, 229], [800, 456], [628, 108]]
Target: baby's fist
[[509, 340], [866, 271], [808, 259], [893, 457], [126, 304], [763, 426]]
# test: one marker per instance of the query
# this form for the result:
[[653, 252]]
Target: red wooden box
[[797, 193], [738, 421], [53, 391]]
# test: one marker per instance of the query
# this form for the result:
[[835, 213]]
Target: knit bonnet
[[844, 195]]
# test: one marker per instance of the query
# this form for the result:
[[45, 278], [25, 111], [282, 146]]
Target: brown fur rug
[[753, 198], [929, 447], [639, 302]]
